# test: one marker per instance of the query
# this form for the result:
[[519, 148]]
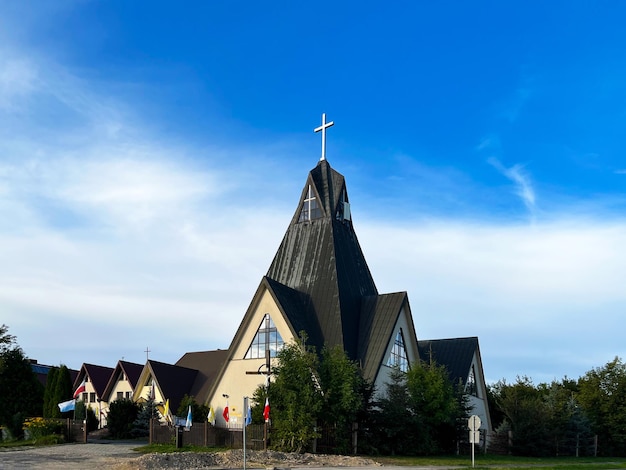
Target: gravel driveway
[[69, 456]]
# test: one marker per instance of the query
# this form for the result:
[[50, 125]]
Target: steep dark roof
[[98, 376], [173, 381], [208, 364], [132, 372], [455, 354], [379, 315], [322, 259]]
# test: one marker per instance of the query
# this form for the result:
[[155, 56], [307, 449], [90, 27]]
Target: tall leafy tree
[[603, 397], [435, 405], [296, 397], [340, 381], [199, 412]]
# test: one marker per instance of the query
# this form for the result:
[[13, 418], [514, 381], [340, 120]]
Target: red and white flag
[[81, 388], [266, 410], [225, 413]]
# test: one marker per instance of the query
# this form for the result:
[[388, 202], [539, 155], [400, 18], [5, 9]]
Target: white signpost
[[473, 423]]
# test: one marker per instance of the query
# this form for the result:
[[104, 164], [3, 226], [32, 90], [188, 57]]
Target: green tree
[[341, 383], [397, 424], [21, 393], [58, 389], [6, 340], [122, 414], [50, 408], [527, 415], [199, 412], [141, 426], [79, 413], [603, 397], [295, 397], [436, 407]]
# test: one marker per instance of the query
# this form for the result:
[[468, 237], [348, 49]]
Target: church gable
[[385, 318]]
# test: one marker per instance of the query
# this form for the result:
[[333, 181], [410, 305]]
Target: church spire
[[321, 258]]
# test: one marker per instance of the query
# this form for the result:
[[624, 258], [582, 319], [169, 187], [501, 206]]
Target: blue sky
[[152, 155]]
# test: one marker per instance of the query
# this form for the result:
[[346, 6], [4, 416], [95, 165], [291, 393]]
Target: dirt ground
[[120, 456]]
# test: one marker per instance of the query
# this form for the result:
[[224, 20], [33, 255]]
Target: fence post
[[355, 436], [595, 445]]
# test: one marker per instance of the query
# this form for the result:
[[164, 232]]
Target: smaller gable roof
[[132, 372], [379, 315], [456, 354], [173, 381], [98, 376]]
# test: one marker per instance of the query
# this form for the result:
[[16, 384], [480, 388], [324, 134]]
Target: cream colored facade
[[235, 382]]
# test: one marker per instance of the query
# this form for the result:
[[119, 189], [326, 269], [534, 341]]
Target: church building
[[319, 283]]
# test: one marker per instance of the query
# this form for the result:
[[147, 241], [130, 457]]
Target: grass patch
[[21, 443], [496, 462]]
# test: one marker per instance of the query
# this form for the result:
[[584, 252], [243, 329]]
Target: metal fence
[[204, 434]]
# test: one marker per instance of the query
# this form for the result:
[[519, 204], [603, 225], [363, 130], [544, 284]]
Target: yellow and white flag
[[211, 416]]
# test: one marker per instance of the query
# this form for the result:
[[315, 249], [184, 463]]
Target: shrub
[[42, 427]]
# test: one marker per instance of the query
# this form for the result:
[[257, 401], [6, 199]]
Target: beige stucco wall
[[235, 382]]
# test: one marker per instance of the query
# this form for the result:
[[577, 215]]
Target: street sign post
[[473, 423]]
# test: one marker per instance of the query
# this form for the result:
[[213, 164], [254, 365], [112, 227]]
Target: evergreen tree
[[21, 393], [49, 405], [199, 412], [141, 426], [397, 425], [122, 414], [63, 391]]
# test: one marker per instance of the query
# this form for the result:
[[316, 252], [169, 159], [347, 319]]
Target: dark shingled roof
[[455, 354], [208, 364], [132, 372], [379, 314], [322, 259], [98, 376], [173, 381]]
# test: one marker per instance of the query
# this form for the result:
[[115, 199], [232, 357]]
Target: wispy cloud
[[523, 184], [620, 172]]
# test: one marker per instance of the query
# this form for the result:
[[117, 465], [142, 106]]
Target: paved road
[[69, 456]]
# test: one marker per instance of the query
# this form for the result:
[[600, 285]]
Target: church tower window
[[267, 338], [310, 208], [470, 387], [399, 357]]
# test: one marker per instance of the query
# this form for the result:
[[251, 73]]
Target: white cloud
[[523, 184]]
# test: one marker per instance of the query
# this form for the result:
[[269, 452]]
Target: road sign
[[473, 423]]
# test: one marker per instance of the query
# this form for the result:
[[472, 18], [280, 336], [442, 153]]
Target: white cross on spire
[[325, 125]]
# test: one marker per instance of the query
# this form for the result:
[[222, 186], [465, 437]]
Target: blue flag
[[189, 421], [249, 416], [69, 405]]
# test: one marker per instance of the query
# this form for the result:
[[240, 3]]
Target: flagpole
[[245, 407]]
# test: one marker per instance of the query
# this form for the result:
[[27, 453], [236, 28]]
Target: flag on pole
[[81, 388], [266, 410], [69, 405], [152, 392], [189, 421], [211, 416], [225, 412], [249, 416], [166, 411]]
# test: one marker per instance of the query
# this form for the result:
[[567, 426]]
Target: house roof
[[322, 259], [456, 354], [98, 376], [132, 372], [208, 364], [173, 381]]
